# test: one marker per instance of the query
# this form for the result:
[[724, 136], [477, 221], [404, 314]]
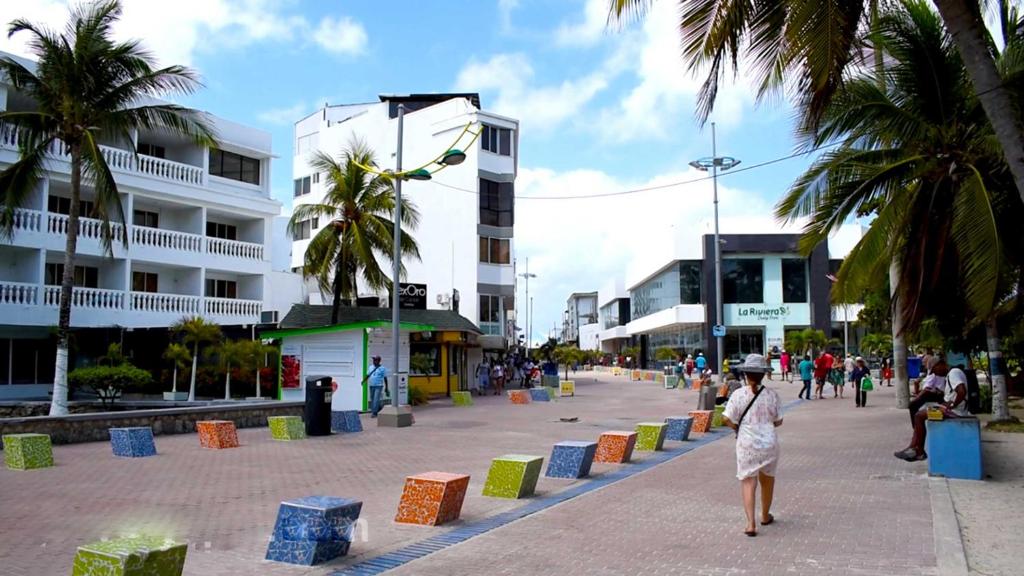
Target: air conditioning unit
[[268, 317]]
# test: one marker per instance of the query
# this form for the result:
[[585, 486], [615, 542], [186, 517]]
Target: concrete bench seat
[[513, 476], [650, 436], [286, 427], [615, 447], [571, 459], [701, 421], [954, 448], [539, 395], [132, 442], [519, 396], [27, 451], [134, 556], [217, 434], [678, 428], [432, 498], [313, 530], [462, 398], [346, 421]]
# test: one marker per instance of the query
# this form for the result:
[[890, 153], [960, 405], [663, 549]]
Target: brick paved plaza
[[844, 505]]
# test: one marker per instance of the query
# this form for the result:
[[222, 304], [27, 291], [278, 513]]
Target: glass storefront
[[742, 341], [742, 280], [682, 339]]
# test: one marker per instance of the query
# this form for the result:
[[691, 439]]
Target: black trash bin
[[318, 405]]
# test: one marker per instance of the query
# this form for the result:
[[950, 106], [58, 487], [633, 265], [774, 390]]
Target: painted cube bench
[[650, 436], [519, 396], [432, 498], [701, 421], [549, 381], [671, 382], [954, 448], [716, 420], [313, 530], [462, 398], [539, 395], [513, 476], [678, 428], [286, 427], [615, 447], [552, 393], [346, 421], [217, 434], [571, 459], [134, 556], [27, 451], [132, 442]]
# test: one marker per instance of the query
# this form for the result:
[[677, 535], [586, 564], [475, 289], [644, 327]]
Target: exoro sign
[[763, 312], [412, 296]]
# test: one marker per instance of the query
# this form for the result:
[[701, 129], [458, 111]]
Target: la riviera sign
[[765, 313]]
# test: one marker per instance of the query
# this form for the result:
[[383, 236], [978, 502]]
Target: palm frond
[[95, 168], [18, 181], [976, 235]]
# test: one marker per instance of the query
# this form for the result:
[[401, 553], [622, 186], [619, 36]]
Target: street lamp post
[[713, 164], [527, 276]]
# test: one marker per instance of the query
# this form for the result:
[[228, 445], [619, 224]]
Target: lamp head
[[697, 164], [418, 174], [453, 157]]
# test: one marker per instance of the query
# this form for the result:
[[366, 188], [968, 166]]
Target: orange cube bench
[[217, 434], [519, 396], [701, 420], [615, 447], [432, 498]]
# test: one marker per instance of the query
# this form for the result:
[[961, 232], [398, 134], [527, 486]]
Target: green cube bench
[[286, 427], [462, 398], [135, 556], [513, 476], [650, 436], [27, 451]]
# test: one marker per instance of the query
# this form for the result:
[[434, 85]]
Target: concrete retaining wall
[[93, 427]]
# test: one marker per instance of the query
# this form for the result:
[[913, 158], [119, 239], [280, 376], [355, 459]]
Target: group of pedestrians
[[492, 374], [827, 369]]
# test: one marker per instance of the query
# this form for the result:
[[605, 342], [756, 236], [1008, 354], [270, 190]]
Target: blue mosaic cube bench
[[346, 421], [313, 530], [539, 395], [134, 442], [571, 459], [954, 448], [678, 428]]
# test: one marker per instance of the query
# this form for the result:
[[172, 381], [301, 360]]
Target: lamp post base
[[392, 417]]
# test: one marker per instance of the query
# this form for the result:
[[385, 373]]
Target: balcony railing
[[94, 298], [165, 303], [234, 248], [233, 307], [18, 293], [124, 161], [87, 227], [27, 220], [170, 239]]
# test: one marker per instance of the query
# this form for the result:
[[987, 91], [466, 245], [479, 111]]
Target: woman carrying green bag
[[861, 378]]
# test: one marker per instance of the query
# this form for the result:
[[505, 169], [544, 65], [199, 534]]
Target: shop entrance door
[[742, 341]]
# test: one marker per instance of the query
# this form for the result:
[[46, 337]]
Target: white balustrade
[[170, 239], [165, 303], [8, 137], [18, 293], [234, 248], [233, 307], [87, 227], [27, 220], [95, 298]]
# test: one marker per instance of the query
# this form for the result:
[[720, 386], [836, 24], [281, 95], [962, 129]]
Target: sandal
[[768, 521], [750, 533]]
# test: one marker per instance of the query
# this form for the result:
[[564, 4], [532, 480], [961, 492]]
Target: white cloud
[[341, 35], [283, 116], [541, 108], [176, 31], [589, 30], [579, 245], [505, 9]]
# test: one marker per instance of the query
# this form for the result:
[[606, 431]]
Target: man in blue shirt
[[701, 362], [377, 378], [806, 374]]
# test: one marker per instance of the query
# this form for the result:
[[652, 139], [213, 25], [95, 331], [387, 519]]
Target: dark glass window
[[221, 288], [742, 281], [794, 280], [497, 140], [152, 150], [85, 276], [145, 218], [689, 283], [497, 203], [302, 186], [218, 230], [490, 308], [62, 205], [144, 282], [495, 250], [432, 351], [234, 166]]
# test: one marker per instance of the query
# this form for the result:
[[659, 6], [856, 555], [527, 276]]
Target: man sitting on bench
[[954, 406]]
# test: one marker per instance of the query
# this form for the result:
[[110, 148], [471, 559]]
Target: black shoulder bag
[[747, 409]]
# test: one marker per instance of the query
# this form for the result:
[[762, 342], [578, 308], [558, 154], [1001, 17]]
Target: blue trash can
[[914, 367]]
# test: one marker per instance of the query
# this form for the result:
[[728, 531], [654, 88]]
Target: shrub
[[124, 377], [417, 396]]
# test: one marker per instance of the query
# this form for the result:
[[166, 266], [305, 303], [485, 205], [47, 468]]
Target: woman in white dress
[[753, 411]]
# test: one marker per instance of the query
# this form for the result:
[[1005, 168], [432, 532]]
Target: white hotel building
[[200, 223], [467, 212]]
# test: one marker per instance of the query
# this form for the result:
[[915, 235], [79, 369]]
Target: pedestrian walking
[[377, 379], [860, 379], [784, 365], [498, 378], [822, 367], [689, 365], [483, 376], [753, 412], [806, 374], [701, 362], [887, 371]]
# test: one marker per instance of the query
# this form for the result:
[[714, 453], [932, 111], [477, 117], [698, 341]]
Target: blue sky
[[601, 110]]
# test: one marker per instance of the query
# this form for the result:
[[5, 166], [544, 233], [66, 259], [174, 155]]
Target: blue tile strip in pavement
[[390, 560]]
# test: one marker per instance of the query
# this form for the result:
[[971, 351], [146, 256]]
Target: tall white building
[[467, 212], [200, 223]]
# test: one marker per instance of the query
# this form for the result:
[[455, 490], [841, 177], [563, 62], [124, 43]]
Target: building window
[[316, 177], [302, 186], [794, 280], [432, 351], [689, 283], [221, 288], [151, 150], [306, 229], [497, 203], [306, 144], [495, 250], [234, 166], [144, 282], [742, 281], [146, 218], [225, 231], [85, 276], [497, 140], [610, 315], [490, 314], [62, 205]]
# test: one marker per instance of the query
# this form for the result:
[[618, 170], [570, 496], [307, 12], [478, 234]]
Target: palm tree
[[358, 206], [196, 333], [811, 45], [878, 344], [807, 340], [179, 357], [260, 355], [86, 86], [918, 152], [230, 353]]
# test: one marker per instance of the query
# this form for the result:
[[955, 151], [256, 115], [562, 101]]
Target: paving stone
[[27, 451]]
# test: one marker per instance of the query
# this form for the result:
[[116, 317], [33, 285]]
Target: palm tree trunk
[[336, 301], [59, 403], [257, 379], [899, 345], [174, 381], [964, 22], [227, 383], [996, 373], [192, 383]]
